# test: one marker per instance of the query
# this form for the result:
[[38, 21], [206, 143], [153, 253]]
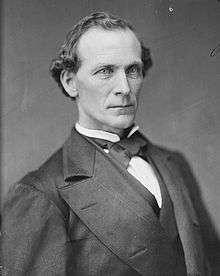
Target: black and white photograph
[[110, 141]]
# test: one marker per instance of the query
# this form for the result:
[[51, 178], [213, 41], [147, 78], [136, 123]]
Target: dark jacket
[[76, 215]]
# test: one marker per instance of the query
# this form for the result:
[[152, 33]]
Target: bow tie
[[124, 149]]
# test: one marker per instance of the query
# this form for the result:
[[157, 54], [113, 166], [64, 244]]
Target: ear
[[68, 81]]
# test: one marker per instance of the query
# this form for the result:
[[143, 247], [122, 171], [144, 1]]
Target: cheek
[[86, 91], [91, 86], [93, 95], [136, 87], [97, 91]]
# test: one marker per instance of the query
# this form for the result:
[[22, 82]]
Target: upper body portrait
[[109, 201]]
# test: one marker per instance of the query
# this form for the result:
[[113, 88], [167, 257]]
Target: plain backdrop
[[179, 108]]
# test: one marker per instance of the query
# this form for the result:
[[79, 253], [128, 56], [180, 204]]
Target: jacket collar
[[75, 149], [74, 162]]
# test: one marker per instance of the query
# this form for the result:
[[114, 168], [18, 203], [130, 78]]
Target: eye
[[106, 71], [134, 71]]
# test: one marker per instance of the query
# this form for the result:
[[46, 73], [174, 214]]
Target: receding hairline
[[102, 30]]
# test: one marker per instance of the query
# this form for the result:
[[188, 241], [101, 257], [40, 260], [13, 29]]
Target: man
[[108, 202]]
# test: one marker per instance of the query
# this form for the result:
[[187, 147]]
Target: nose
[[122, 86]]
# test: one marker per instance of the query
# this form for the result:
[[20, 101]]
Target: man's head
[[101, 65]]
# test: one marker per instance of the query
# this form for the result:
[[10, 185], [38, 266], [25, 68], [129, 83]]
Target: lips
[[121, 106], [123, 109]]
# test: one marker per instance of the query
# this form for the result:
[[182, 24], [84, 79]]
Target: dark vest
[[168, 220]]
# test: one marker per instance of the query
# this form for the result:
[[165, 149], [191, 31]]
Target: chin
[[124, 122]]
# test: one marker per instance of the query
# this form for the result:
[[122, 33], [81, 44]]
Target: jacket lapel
[[119, 218], [187, 221]]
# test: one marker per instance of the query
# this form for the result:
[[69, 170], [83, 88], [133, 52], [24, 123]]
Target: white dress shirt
[[137, 167]]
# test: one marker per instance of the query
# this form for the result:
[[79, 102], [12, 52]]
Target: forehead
[[115, 46]]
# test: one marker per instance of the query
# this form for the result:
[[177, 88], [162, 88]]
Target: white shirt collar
[[101, 134]]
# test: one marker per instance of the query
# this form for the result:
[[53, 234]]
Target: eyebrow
[[139, 63], [136, 62]]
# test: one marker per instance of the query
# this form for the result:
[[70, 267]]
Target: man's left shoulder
[[162, 151], [170, 157]]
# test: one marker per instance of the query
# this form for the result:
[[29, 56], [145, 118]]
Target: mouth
[[123, 109], [122, 106]]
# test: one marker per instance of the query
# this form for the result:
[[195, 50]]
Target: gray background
[[181, 96]]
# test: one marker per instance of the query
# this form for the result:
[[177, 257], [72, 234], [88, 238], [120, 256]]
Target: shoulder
[[178, 166], [174, 160], [161, 152], [44, 178], [36, 192], [33, 226], [170, 156]]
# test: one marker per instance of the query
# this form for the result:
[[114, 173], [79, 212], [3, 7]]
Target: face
[[109, 79]]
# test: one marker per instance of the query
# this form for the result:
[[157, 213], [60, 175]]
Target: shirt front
[[138, 167]]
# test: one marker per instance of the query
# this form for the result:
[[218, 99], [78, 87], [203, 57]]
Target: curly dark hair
[[68, 58]]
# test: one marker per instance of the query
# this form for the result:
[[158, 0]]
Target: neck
[[118, 131]]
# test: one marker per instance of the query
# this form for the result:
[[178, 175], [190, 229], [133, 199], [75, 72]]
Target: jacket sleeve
[[191, 186], [35, 241]]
